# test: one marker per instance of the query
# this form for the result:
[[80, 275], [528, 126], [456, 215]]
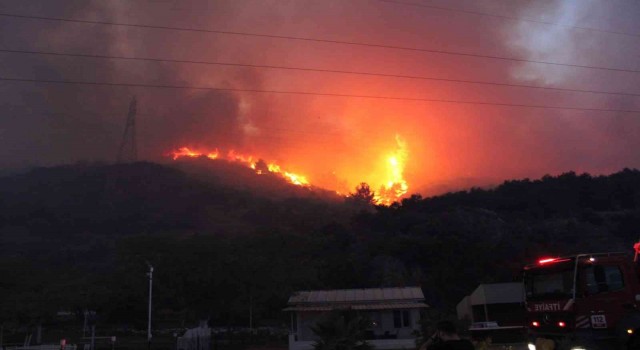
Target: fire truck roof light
[[531, 346], [535, 323], [547, 260], [552, 260], [629, 331], [561, 324], [592, 259]]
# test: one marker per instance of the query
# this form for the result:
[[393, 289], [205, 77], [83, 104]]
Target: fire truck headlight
[[531, 346], [578, 348], [629, 331]]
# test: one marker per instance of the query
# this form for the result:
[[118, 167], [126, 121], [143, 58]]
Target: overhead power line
[[328, 41], [318, 70], [510, 18], [308, 93], [264, 132]]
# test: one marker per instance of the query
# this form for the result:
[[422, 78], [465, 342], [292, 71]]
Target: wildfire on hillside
[[252, 162], [392, 189], [395, 186]]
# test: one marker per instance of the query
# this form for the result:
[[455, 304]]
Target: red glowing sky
[[336, 141]]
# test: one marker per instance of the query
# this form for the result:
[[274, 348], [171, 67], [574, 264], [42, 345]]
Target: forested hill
[[152, 198], [559, 196], [461, 239], [82, 235]]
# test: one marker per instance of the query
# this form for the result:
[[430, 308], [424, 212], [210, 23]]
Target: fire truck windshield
[[547, 282]]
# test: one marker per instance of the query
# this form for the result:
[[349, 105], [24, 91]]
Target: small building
[[497, 302], [496, 309], [394, 312]]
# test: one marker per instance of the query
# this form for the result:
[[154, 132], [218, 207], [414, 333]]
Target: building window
[[401, 319], [602, 279]]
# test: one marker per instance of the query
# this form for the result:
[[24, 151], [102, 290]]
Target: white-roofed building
[[394, 313], [463, 309], [498, 302], [496, 309]]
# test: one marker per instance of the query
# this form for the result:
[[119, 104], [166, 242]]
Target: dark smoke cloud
[[51, 124], [335, 140]]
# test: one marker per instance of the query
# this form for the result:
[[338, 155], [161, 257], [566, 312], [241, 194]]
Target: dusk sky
[[337, 142]]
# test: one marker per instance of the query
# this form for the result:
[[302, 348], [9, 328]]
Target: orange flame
[[395, 186], [250, 161], [187, 152], [296, 179], [389, 174]]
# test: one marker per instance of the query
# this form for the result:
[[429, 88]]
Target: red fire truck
[[585, 301]]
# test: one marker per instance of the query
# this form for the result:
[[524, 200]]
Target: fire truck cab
[[586, 301]]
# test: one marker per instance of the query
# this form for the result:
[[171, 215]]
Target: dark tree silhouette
[[362, 195], [261, 166], [220, 246]]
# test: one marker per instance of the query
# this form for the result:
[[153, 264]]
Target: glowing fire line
[[250, 161], [392, 189]]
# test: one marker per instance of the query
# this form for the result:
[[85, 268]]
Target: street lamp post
[[150, 274]]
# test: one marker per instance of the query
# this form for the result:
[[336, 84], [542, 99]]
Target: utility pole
[[150, 274], [128, 151], [84, 325], [93, 337]]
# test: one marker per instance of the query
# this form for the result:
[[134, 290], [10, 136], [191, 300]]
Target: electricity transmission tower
[[128, 151]]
